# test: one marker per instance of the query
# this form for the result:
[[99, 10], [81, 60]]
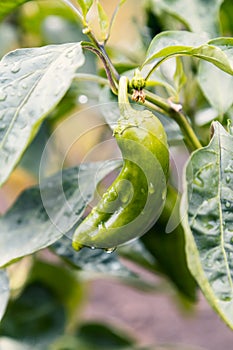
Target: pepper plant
[[57, 64]]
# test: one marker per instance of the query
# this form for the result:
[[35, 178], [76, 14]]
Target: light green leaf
[[4, 292], [179, 76], [43, 214], [32, 82], [217, 86], [198, 15], [103, 21], [181, 43], [207, 209], [6, 6], [85, 6]]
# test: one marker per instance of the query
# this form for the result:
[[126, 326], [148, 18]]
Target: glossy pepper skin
[[135, 199]]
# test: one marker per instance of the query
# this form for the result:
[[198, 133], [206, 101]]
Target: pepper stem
[[123, 100]]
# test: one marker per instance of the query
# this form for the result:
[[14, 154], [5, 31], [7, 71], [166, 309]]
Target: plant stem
[[92, 48], [190, 137]]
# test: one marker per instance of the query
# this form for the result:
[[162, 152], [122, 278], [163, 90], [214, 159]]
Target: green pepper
[[134, 201]]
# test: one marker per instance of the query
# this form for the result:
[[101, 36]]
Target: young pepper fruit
[[135, 200]]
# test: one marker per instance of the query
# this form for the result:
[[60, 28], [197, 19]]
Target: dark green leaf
[[104, 337], [98, 263], [91, 261], [181, 43], [32, 82], [62, 282], [208, 220], [36, 317], [4, 292], [168, 249], [43, 214], [6, 6], [199, 15]]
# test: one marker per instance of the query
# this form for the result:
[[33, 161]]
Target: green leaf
[[98, 263], [85, 6], [32, 82], [206, 207], [36, 316], [91, 261], [103, 336], [103, 21], [217, 86], [4, 292], [181, 43], [43, 214], [179, 76], [168, 249], [199, 15], [55, 277], [6, 6], [95, 336]]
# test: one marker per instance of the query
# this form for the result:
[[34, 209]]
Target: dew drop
[[101, 226], [229, 168], [70, 54], [125, 197], [151, 188], [3, 95], [164, 194], [228, 204], [110, 250], [92, 248], [16, 68], [198, 181], [24, 86], [228, 179]]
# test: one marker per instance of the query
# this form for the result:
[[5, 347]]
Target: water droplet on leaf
[[228, 204], [228, 179], [70, 54], [109, 250], [198, 181], [16, 68], [3, 95], [24, 86], [151, 188]]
